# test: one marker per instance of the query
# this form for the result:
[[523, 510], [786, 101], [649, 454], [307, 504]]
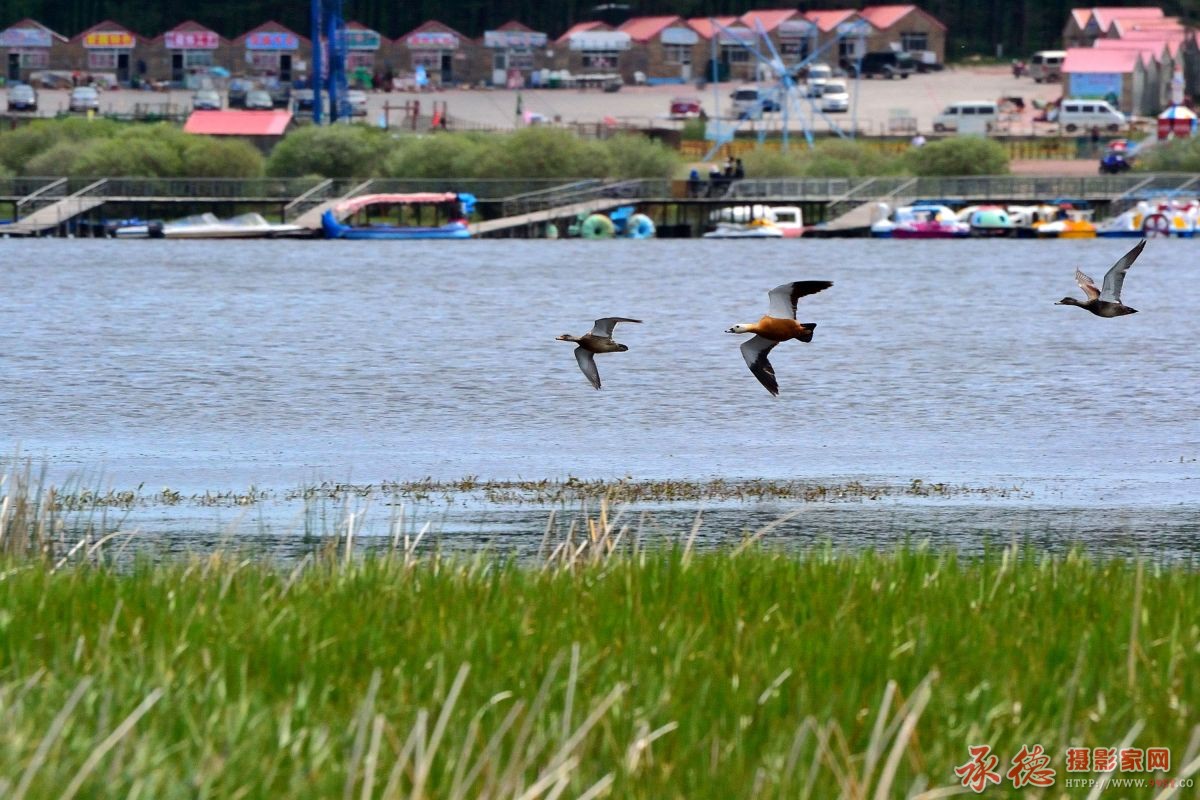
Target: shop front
[[432, 53], [110, 51], [26, 46], [513, 55], [362, 48], [272, 54], [598, 51], [192, 54]]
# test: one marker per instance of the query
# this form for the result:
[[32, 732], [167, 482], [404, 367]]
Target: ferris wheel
[[794, 100]]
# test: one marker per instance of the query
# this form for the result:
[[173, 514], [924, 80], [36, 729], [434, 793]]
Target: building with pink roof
[[908, 28], [27, 46], [273, 52], [730, 35], [593, 48], [1117, 75], [512, 55], [793, 34], [1085, 25], [663, 49], [442, 52]]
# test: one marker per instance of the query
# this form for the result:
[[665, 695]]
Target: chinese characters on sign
[[272, 40], [117, 40], [191, 40], [1031, 766]]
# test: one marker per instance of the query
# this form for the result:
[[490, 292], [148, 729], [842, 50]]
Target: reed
[[607, 667]]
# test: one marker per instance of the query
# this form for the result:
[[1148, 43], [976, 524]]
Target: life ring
[[1156, 226], [597, 226], [639, 226]]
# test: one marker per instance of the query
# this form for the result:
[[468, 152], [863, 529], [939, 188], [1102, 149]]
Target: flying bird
[[1106, 302], [598, 340], [777, 326]]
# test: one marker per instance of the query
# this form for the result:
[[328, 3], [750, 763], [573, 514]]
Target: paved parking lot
[[919, 97]]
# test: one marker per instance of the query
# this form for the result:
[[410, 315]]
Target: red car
[[686, 108]]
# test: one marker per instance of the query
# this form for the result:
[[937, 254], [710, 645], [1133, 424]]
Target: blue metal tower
[[329, 60]]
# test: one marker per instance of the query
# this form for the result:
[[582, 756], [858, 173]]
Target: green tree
[[959, 155], [335, 151]]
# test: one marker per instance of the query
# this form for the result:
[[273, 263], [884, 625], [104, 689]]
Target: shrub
[[55, 161], [830, 158], [959, 155], [545, 153], [765, 163], [334, 151], [442, 155], [694, 129], [210, 157], [634, 156], [19, 147], [1179, 155]]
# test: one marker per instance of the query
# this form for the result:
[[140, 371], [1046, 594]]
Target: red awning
[[238, 123]]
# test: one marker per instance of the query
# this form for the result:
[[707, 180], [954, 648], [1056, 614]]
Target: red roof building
[[238, 123], [909, 28], [663, 49]]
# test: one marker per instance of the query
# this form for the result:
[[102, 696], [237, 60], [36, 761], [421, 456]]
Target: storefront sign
[[25, 37], [684, 36], [272, 40], [360, 39], [432, 40], [738, 35], [191, 40], [600, 40], [115, 40], [797, 29], [507, 40], [1095, 85]]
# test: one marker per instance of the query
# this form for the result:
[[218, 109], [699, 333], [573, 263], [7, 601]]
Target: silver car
[[259, 100], [834, 97], [206, 100], [84, 98]]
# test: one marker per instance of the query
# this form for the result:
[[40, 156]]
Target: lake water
[[213, 366]]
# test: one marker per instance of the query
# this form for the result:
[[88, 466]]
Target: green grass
[[607, 667]]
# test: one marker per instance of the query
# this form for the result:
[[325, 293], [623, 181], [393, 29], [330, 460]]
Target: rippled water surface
[[217, 365]]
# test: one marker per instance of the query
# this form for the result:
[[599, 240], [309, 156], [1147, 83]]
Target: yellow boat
[[1077, 225]]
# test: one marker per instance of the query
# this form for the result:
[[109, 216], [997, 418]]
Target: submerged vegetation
[[604, 668]]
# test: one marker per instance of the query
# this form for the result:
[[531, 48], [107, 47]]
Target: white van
[[1083, 115], [1046, 65], [968, 116]]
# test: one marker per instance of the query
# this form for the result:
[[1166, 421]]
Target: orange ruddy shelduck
[[777, 326], [598, 340]]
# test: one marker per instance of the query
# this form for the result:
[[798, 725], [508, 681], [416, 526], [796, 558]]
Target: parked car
[[358, 102], [84, 98], [751, 102], [206, 100], [302, 100], [1075, 115], [686, 108], [281, 96], [970, 116], [885, 64], [835, 98], [237, 93], [22, 97], [259, 100]]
